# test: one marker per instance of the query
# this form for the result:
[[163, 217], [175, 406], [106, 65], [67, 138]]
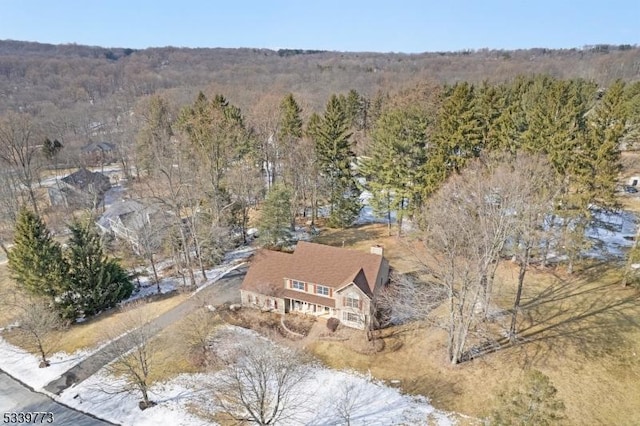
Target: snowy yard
[[372, 403]]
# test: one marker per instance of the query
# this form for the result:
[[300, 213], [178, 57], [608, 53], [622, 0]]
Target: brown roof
[[314, 263], [266, 272], [307, 297]]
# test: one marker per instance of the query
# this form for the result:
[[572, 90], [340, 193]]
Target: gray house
[[82, 189], [133, 221]]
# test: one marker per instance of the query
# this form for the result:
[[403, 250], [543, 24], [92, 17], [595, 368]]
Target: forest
[[479, 156]]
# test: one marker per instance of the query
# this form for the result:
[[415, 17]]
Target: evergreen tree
[[96, 281], [536, 403], [511, 124], [154, 135], [290, 120], [50, 149], [333, 151], [396, 159], [217, 137], [274, 219], [607, 128], [458, 132], [490, 102], [289, 151], [36, 260]]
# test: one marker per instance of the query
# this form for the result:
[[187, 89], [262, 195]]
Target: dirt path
[[225, 289]]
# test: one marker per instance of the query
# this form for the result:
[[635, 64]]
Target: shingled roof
[[314, 263]]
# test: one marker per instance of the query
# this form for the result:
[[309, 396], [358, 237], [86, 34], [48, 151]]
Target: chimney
[[377, 249]]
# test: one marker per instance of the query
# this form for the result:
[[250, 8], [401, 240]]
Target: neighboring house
[[132, 221], [82, 189], [99, 153], [317, 279]]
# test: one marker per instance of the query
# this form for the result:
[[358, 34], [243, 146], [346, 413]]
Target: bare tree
[[38, 327], [196, 330], [346, 402], [407, 298], [10, 201], [260, 383], [18, 150], [246, 186], [148, 239], [469, 222], [135, 356], [533, 191]]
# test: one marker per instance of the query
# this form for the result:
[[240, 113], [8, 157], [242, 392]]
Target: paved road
[[226, 289], [15, 397]]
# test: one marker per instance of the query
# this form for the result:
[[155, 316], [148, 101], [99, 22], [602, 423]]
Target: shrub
[[332, 324]]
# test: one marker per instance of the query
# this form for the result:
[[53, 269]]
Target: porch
[[316, 309]]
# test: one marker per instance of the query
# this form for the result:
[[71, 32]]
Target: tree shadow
[[591, 313]]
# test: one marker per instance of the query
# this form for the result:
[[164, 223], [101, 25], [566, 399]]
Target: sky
[[409, 26]]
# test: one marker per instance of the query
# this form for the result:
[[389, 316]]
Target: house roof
[[126, 210], [314, 263], [83, 178], [98, 146]]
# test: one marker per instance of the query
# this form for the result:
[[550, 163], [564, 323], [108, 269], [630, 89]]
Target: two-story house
[[319, 280]]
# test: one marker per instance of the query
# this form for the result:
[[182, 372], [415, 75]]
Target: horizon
[[407, 27], [311, 50]]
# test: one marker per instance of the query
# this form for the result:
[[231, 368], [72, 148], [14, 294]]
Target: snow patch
[[24, 366]]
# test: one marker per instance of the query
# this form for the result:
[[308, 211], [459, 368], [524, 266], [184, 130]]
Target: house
[[133, 221], [98, 153], [82, 189], [319, 280]]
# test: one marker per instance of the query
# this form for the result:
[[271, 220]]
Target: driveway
[[225, 289], [17, 398]]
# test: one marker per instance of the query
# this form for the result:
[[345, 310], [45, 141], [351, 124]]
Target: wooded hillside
[[44, 76]]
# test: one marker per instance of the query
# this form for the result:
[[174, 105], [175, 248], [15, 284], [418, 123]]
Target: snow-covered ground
[[371, 402], [612, 232], [24, 366], [170, 283]]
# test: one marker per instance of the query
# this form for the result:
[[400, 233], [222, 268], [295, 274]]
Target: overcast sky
[[382, 26]]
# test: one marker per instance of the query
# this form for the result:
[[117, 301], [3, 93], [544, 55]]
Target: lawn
[[582, 330], [7, 287], [91, 333]]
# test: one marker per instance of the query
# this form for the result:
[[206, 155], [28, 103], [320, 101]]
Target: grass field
[[582, 330]]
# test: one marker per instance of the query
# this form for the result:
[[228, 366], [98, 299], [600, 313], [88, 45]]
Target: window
[[297, 285], [352, 302], [322, 290], [351, 317]]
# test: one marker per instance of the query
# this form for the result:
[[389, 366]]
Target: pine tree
[[395, 160], [96, 281], [490, 102], [289, 145], [155, 133], [274, 222], [335, 157], [217, 137], [50, 149], [458, 132], [607, 128], [36, 260], [536, 403]]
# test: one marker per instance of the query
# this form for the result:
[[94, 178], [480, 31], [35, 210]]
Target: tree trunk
[[400, 217], [155, 272], [32, 198], [524, 263], [43, 355]]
